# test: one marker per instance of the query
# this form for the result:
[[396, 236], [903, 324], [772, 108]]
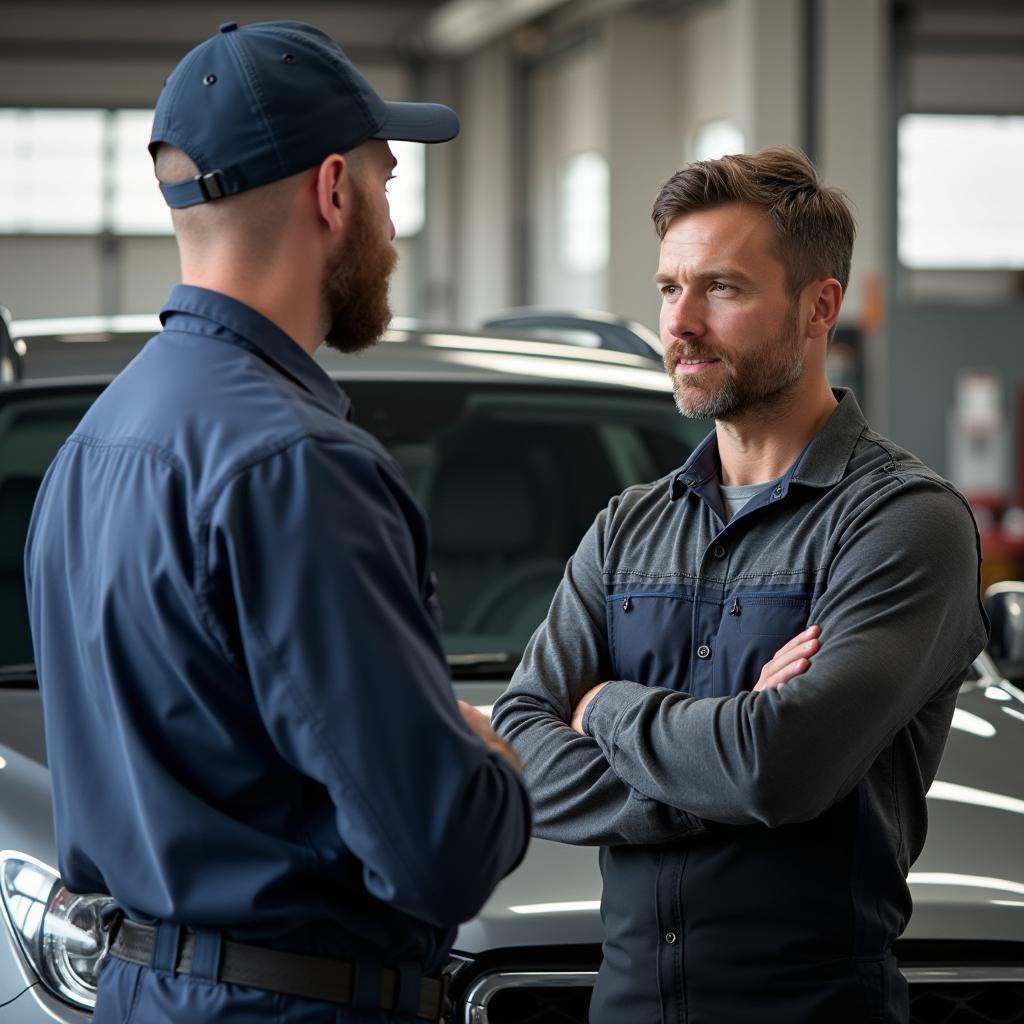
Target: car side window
[[33, 426], [511, 477]]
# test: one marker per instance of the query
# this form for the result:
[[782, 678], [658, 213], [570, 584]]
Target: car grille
[[533, 996], [965, 1003], [539, 997], [539, 1006]]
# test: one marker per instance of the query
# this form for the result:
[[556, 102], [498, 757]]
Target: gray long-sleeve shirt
[[778, 826]]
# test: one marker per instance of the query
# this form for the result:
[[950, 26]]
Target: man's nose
[[685, 315]]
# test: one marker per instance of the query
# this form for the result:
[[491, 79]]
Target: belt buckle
[[109, 930], [446, 1011]]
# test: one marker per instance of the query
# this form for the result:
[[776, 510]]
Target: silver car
[[573, 410]]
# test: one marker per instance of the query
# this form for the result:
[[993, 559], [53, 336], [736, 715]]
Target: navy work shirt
[[248, 711]]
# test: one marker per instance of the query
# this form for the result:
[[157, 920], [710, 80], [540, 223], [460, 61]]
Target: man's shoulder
[[883, 478], [878, 460], [639, 499], [637, 509], [214, 411]]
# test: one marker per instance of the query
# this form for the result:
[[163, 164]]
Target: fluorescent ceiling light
[[461, 26]]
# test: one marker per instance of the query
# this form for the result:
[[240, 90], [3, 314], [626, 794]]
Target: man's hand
[[577, 715], [790, 661], [482, 727]]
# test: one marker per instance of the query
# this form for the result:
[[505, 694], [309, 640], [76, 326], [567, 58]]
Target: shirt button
[[670, 938], [718, 551], [777, 493], [703, 651]]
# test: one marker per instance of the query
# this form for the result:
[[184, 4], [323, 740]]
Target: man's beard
[[756, 380], [356, 284]]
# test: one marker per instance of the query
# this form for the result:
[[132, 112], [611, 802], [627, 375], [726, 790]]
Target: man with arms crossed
[[745, 680], [254, 744]]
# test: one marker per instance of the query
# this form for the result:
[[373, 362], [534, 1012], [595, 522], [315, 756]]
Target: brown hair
[[814, 227]]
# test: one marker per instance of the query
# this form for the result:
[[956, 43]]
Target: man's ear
[[331, 187], [827, 296]]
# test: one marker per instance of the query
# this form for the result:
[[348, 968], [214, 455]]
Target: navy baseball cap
[[260, 102]]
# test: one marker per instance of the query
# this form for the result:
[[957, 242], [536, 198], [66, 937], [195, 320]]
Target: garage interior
[[562, 101], [573, 114]]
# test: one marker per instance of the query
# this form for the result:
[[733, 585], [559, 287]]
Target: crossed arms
[[900, 623]]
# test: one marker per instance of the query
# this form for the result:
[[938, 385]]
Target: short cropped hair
[[813, 224], [257, 216]]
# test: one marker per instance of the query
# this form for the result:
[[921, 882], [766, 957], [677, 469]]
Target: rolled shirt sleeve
[[324, 555]]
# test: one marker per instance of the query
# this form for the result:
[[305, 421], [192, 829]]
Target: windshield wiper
[[473, 666]]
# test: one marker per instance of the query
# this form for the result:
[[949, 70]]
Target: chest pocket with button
[[753, 628], [650, 637]]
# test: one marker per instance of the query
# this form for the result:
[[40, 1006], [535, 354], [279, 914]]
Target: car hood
[[968, 882]]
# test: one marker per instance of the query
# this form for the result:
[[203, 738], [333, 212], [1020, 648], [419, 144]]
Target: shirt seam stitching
[[130, 444]]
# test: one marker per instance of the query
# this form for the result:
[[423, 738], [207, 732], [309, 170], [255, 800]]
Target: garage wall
[[117, 55], [945, 322], [636, 88], [484, 163], [567, 116]]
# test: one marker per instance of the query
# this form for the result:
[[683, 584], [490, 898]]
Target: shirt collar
[[821, 464], [232, 321], [825, 459]]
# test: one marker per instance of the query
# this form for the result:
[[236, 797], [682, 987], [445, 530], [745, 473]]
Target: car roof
[[568, 349]]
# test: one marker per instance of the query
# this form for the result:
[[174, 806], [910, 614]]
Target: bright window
[[715, 139], [961, 202], [136, 206], [89, 172], [583, 243], [51, 171], [407, 192]]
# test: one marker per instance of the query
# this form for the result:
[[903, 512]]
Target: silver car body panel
[[968, 883]]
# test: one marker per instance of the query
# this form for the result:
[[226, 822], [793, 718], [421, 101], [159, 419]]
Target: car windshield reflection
[[510, 474]]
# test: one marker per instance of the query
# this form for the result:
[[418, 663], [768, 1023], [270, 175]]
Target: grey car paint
[[967, 885]]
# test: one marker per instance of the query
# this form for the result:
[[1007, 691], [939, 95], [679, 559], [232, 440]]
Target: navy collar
[[821, 464], [238, 324]]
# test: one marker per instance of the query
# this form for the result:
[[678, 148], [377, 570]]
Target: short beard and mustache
[[762, 379], [356, 283]]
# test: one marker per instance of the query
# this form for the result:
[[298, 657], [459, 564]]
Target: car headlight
[[57, 932]]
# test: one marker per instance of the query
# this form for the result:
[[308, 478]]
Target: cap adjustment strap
[[210, 185], [200, 189]]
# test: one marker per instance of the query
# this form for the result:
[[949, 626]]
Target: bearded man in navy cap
[[254, 744]]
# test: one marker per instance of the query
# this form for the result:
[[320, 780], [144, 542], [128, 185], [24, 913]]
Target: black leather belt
[[294, 974]]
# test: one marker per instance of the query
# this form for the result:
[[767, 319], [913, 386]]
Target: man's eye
[[669, 289], [720, 287]]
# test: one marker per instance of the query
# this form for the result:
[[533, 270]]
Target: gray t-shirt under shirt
[[734, 498]]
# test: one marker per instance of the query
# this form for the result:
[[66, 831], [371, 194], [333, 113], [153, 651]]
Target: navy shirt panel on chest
[[719, 605]]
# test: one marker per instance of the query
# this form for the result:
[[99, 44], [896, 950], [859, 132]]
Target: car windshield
[[510, 475]]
